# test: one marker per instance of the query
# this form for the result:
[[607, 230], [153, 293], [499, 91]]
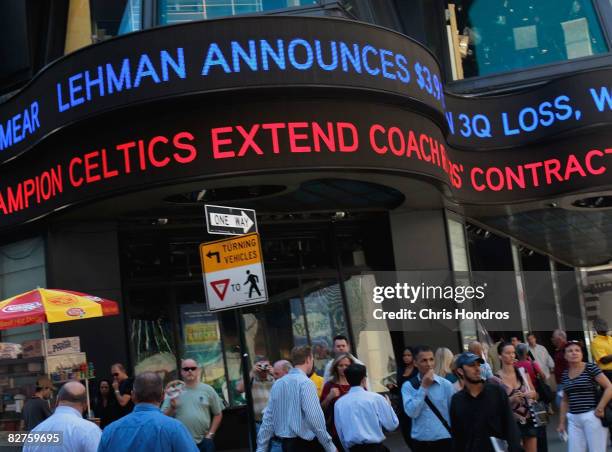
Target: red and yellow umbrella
[[52, 305]]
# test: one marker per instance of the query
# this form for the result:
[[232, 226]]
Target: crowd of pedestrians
[[469, 402], [448, 403]]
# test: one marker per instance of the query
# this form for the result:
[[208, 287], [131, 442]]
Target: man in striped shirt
[[293, 412]]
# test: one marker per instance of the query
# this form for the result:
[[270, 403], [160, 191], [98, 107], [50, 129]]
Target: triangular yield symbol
[[220, 287]]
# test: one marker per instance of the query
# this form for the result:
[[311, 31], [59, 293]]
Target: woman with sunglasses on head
[[580, 406]]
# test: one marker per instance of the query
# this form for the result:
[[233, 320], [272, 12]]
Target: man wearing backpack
[[427, 399]]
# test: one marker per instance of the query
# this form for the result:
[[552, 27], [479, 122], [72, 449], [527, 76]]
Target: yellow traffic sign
[[230, 253], [233, 272]]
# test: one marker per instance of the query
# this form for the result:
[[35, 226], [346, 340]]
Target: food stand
[[18, 376], [59, 359]]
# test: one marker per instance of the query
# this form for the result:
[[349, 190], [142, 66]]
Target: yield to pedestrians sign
[[230, 220], [233, 272]]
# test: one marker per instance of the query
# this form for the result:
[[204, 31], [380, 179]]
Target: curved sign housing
[[216, 104]]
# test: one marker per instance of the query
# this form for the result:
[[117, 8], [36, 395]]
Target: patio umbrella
[[52, 305]]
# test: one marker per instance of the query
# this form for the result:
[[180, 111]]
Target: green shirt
[[195, 409]]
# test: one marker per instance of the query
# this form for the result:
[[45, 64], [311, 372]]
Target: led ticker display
[[216, 56], [195, 142]]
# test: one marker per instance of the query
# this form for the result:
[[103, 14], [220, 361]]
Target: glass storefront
[[316, 291], [501, 36]]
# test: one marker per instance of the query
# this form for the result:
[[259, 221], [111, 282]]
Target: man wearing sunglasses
[[198, 407], [122, 387]]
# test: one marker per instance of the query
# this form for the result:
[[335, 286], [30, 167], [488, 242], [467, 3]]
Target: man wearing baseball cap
[[37, 409], [480, 411]]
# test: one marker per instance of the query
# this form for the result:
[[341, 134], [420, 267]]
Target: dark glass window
[[499, 36], [110, 19], [177, 11]]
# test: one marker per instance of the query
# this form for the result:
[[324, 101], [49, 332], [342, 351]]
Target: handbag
[[539, 413], [538, 410]]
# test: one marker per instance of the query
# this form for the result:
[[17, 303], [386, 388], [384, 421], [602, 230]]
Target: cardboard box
[[58, 362], [58, 346], [63, 346], [9, 350], [31, 349], [9, 347]]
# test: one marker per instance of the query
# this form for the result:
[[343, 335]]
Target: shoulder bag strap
[[433, 408], [416, 384]]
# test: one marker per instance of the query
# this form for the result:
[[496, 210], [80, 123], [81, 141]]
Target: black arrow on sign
[[216, 254]]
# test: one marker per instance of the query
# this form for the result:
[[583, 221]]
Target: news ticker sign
[[233, 272], [268, 137], [243, 55]]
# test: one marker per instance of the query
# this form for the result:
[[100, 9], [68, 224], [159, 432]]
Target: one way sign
[[230, 220]]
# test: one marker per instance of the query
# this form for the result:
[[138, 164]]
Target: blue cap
[[468, 358]]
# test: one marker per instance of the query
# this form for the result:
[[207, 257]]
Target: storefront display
[[153, 350], [202, 342]]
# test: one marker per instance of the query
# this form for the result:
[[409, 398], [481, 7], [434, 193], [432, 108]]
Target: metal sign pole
[[246, 378], [224, 269]]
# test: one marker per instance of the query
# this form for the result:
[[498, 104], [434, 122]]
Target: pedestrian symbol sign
[[233, 272]]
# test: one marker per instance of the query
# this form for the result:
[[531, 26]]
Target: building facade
[[370, 137]]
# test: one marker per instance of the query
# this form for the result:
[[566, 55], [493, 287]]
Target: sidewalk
[[396, 443]]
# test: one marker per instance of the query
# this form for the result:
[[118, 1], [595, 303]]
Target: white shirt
[[543, 358], [294, 411], [79, 435], [361, 415]]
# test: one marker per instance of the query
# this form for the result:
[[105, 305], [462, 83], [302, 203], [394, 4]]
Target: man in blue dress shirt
[[430, 431], [293, 413], [78, 434], [147, 428], [360, 415]]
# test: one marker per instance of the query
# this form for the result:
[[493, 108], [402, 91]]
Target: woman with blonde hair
[[443, 364], [335, 388]]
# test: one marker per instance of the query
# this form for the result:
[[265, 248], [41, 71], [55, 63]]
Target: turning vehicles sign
[[233, 272]]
